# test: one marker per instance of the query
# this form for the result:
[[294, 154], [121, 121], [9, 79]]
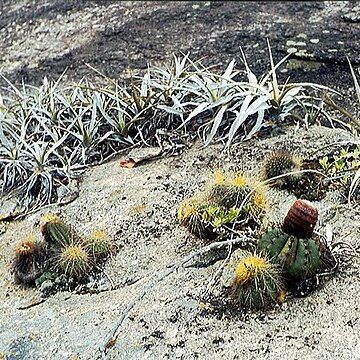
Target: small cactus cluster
[[287, 257], [229, 198], [62, 251], [285, 169], [192, 214]]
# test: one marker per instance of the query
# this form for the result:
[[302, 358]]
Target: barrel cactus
[[55, 231], [30, 260], [294, 245], [238, 191], [73, 260], [192, 214], [99, 245], [303, 259], [280, 163], [229, 190], [257, 284]]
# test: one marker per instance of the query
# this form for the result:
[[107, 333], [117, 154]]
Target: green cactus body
[[56, 232], [99, 245], [59, 233], [295, 262], [257, 283], [299, 257], [314, 253], [228, 195], [229, 190], [273, 242], [307, 260]]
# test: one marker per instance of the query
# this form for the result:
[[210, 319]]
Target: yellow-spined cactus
[[99, 245], [257, 282], [192, 214], [229, 190], [73, 260], [55, 231]]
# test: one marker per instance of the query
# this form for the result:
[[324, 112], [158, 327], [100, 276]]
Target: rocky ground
[[137, 207], [41, 38]]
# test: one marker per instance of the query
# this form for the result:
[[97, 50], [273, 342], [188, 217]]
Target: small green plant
[[341, 166], [204, 219], [30, 260], [217, 216], [257, 284], [229, 199]]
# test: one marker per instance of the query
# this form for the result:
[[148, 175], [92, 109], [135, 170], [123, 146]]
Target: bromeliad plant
[[52, 131]]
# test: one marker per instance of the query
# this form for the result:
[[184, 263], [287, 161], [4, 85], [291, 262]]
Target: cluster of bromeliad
[[60, 251], [288, 256]]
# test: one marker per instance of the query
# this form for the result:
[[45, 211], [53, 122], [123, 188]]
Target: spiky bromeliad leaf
[[354, 185], [217, 121], [248, 108], [355, 80]]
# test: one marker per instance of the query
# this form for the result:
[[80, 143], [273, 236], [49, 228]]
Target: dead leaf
[[129, 163]]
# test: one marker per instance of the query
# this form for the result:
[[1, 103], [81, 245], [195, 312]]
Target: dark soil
[[126, 35]]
